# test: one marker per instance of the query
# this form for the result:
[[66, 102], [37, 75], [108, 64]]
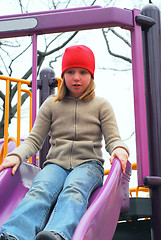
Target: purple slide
[[99, 221], [14, 188], [11, 144]]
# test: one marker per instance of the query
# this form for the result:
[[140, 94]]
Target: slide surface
[[14, 188], [100, 220], [11, 144]]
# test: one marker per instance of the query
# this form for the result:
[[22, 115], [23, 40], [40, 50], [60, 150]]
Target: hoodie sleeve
[[110, 129]]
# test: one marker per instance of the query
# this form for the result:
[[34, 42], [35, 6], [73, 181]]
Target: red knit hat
[[78, 56]]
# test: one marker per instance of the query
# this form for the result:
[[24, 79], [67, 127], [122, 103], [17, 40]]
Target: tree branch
[[55, 60], [114, 69], [114, 54], [60, 47], [17, 57], [21, 6], [14, 108], [2, 96], [4, 64], [121, 37], [93, 2]]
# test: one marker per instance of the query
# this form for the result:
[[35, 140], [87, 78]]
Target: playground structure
[[100, 220]]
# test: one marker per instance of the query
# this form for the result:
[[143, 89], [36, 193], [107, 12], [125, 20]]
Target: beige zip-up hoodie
[[76, 129]]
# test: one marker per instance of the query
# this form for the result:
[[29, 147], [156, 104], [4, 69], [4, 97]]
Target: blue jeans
[[56, 201]]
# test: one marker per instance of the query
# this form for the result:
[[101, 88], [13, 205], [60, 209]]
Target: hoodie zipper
[[75, 130], [75, 121]]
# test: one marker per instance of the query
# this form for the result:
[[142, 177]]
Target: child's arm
[[122, 155], [34, 142], [11, 161]]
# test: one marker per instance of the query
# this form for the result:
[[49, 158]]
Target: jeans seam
[[47, 212], [93, 187], [43, 218]]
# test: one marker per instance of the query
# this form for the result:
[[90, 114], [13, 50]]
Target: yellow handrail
[[23, 81], [19, 90], [6, 118], [137, 190], [18, 112], [59, 80], [2, 149], [30, 116]]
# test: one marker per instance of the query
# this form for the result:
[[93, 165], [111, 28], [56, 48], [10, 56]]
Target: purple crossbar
[[48, 12], [14, 188], [63, 21], [100, 220]]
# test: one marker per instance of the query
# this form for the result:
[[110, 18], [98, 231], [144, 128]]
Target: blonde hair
[[86, 96]]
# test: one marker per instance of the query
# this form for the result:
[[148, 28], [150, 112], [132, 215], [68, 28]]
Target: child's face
[[77, 81]]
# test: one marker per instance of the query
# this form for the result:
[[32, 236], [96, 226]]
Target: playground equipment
[[19, 82], [100, 220]]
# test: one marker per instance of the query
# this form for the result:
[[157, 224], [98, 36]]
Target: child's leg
[[32, 213], [73, 200]]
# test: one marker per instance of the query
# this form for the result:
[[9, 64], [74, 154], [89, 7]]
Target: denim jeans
[[56, 201]]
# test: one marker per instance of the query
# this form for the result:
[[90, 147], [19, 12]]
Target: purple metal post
[[139, 102], [46, 85], [152, 56], [34, 84]]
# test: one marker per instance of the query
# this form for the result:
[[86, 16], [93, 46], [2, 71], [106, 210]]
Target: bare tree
[[114, 54]]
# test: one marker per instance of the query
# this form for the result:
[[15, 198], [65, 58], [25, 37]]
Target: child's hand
[[122, 155], [11, 161]]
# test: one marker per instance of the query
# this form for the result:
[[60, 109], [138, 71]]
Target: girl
[[76, 120]]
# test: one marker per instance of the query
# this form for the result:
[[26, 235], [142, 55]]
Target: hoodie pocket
[[84, 150], [60, 150]]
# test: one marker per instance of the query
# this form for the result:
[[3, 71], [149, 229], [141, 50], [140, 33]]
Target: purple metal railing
[[34, 84], [64, 21], [139, 102]]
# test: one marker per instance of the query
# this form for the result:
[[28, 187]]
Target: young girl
[[76, 121]]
